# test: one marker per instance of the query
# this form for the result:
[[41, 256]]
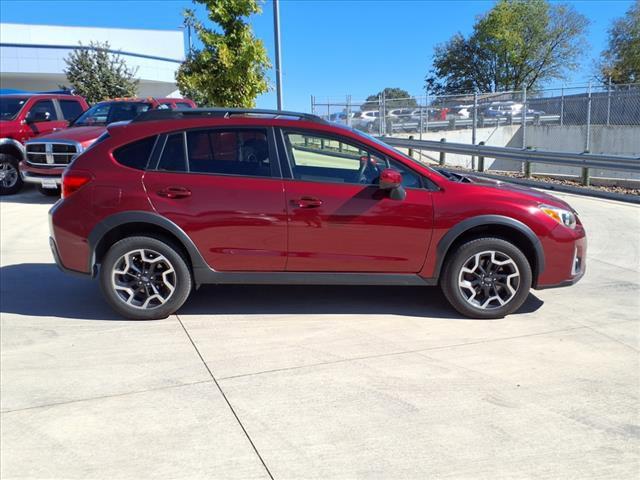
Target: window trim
[[274, 159], [331, 136]]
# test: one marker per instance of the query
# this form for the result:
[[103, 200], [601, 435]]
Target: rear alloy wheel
[[10, 179], [487, 278], [145, 278]]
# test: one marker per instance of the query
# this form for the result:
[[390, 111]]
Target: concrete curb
[[620, 197]]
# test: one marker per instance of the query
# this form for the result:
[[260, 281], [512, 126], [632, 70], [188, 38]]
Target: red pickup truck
[[27, 115], [48, 155]]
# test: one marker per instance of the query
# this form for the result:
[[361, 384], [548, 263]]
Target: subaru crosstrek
[[176, 199]]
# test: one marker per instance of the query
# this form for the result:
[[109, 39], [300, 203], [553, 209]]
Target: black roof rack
[[166, 114]]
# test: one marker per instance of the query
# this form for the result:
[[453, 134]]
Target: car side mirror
[[391, 180], [34, 117]]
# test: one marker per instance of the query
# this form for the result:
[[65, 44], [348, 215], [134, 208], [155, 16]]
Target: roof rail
[[167, 114]]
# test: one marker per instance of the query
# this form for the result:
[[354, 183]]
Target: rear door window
[[71, 109], [229, 152]]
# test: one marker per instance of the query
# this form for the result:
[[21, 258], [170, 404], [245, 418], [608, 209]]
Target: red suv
[[27, 115], [173, 200], [48, 155]]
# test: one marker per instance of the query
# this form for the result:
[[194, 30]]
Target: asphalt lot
[[319, 382]]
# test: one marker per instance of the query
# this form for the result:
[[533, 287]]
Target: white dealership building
[[32, 56]]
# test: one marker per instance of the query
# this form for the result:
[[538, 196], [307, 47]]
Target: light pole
[[276, 33]]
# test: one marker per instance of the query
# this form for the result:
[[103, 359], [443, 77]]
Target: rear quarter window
[[135, 155]]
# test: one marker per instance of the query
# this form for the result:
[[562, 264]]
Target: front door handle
[[174, 192], [307, 202]]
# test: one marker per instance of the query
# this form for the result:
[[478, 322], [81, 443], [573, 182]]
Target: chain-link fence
[[577, 119]]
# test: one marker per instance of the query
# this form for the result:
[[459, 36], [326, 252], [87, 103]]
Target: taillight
[[74, 180]]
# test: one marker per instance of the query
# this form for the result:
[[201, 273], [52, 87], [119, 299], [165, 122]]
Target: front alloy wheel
[[145, 278], [486, 278], [489, 279], [10, 180]]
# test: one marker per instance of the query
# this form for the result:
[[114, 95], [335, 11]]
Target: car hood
[[83, 135], [535, 195]]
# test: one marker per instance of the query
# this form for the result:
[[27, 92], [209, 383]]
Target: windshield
[[108, 112], [10, 106]]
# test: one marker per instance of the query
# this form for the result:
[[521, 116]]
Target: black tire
[[183, 278], [49, 192], [464, 253], [9, 163]]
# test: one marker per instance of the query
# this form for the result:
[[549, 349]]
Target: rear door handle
[[307, 202], [174, 192]]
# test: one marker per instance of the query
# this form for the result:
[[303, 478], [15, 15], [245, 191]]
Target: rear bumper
[[60, 265]]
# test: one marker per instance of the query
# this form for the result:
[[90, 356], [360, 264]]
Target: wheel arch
[[9, 146], [499, 226], [126, 224]]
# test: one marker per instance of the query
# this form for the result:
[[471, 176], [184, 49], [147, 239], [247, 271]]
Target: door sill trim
[[208, 276]]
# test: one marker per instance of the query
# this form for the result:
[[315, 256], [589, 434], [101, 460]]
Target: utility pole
[[276, 33]]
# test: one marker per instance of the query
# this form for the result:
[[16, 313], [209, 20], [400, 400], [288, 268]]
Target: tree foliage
[[98, 75], [621, 59], [518, 43], [229, 70], [394, 98]]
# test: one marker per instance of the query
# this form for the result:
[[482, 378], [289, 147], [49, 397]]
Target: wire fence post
[[427, 111], [313, 105], [524, 117], [609, 102], [420, 125], [562, 106], [381, 114], [474, 127], [587, 143], [586, 180], [348, 119]]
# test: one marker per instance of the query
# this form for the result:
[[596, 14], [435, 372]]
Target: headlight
[[560, 215]]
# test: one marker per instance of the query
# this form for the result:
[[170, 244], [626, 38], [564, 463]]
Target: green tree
[[518, 43], [621, 59], [230, 68], [394, 98], [97, 74]]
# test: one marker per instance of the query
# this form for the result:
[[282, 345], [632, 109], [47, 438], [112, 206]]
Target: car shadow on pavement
[[427, 302], [29, 195], [41, 290]]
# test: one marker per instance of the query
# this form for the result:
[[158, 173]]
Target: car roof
[[35, 94]]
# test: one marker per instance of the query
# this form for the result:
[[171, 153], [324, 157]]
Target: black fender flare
[[120, 219], [487, 220]]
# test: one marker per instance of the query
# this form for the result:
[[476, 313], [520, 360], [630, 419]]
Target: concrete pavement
[[319, 382]]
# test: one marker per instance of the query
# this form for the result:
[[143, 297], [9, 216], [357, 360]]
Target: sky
[[330, 48]]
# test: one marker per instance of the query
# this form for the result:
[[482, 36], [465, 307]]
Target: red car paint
[[35, 169], [251, 224]]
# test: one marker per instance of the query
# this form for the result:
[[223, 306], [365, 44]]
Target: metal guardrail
[[399, 124], [584, 160]]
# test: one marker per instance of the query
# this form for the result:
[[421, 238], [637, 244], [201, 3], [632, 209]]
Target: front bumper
[[47, 177], [565, 258]]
